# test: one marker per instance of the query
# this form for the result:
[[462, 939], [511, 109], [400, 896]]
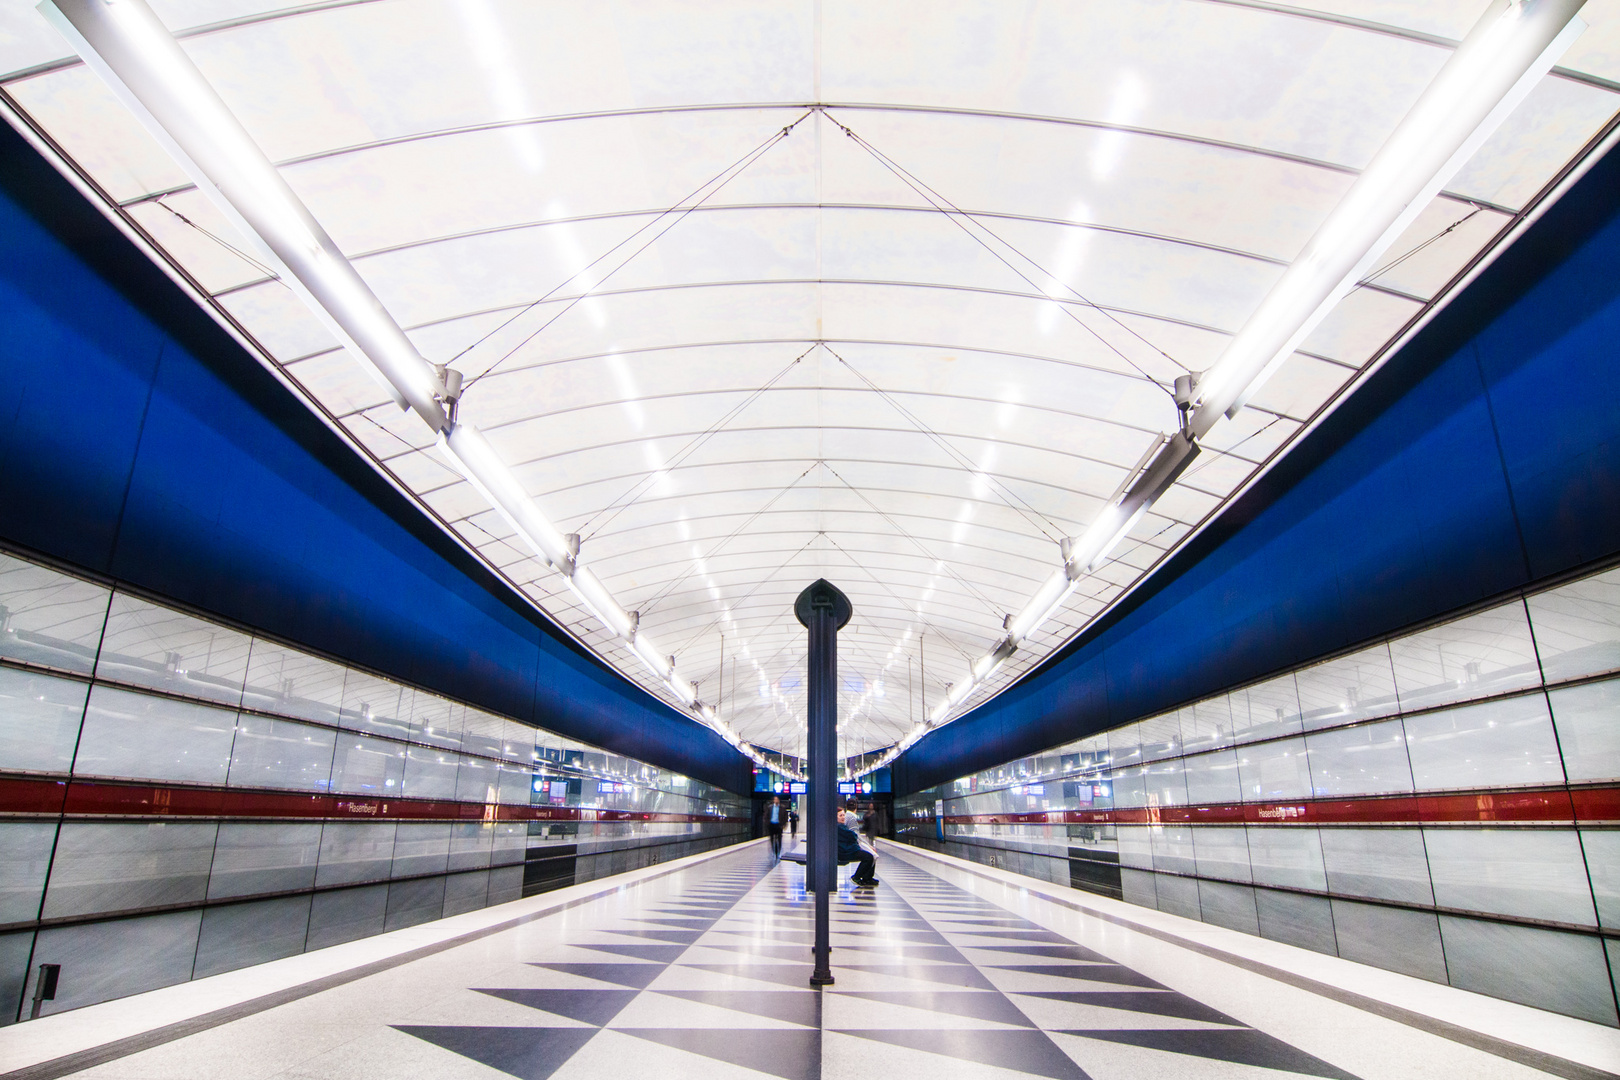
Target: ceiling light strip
[[1511, 48], [124, 42]]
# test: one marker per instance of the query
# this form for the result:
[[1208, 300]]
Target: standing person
[[850, 851], [793, 822], [774, 820]]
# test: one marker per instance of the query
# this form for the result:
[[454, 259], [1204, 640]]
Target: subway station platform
[[700, 969]]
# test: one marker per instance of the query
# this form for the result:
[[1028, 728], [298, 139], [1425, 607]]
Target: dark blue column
[[823, 610]]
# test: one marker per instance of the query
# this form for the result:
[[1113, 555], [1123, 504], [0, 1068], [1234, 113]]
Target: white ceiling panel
[[910, 345]]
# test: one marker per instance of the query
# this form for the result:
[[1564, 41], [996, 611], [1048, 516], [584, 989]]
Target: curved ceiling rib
[[968, 393]]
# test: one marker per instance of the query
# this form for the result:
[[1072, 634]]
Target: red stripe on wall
[[90, 798], [1548, 805]]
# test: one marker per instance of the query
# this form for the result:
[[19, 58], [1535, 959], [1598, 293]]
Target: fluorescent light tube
[[607, 610], [1508, 51], [124, 43], [1045, 603], [474, 458]]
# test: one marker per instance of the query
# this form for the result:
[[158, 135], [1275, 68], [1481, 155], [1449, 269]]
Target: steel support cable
[[613, 509], [921, 618], [222, 242], [680, 210], [1230, 451], [1034, 516], [758, 585], [961, 218], [897, 527], [675, 582], [1393, 263]]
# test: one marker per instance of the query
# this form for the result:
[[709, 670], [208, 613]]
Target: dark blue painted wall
[[1482, 458], [141, 443]]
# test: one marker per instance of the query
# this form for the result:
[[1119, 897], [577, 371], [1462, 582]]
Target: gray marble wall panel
[[430, 773], [1378, 863], [362, 765], [291, 683], [49, 618], [1268, 710], [39, 721], [14, 950], [263, 857], [146, 737], [1602, 850], [238, 935], [1231, 906], [1487, 653], [105, 960], [470, 843], [1346, 689], [1577, 627], [1173, 849], [1504, 743], [465, 892], [355, 851], [1287, 856], [1530, 873], [1366, 760], [1396, 939], [1222, 852], [123, 866], [25, 855], [413, 902], [1212, 779], [1587, 734], [421, 848], [167, 650], [1550, 970], [1135, 846], [1177, 895], [510, 842], [281, 754], [346, 914], [1296, 919]]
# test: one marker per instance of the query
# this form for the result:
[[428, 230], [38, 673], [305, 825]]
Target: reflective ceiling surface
[[752, 293]]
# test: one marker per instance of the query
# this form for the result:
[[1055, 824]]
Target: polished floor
[[942, 972]]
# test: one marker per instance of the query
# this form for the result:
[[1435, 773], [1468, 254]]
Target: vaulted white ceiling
[[752, 293]]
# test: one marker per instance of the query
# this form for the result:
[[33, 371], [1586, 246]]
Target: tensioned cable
[[1230, 451], [896, 596], [897, 527], [680, 210], [758, 585], [646, 483], [222, 242], [1393, 263], [1030, 514], [961, 217], [679, 579]]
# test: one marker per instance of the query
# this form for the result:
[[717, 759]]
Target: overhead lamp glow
[[476, 460], [126, 44], [1510, 48]]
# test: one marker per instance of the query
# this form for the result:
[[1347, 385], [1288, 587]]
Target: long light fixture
[[124, 42], [1512, 46]]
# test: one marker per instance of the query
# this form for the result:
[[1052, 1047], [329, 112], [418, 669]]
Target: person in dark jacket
[[850, 851], [775, 818]]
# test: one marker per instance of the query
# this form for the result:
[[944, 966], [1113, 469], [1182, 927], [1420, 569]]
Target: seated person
[[850, 851]]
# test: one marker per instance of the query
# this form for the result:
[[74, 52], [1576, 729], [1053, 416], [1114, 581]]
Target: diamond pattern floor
[[932, 981]]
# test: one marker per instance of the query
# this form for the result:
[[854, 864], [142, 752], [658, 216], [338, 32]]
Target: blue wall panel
[[143, 444], [1484, 457]]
